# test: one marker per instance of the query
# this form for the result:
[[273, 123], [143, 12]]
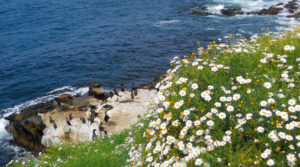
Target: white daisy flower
[[267, 85], [270, 162]]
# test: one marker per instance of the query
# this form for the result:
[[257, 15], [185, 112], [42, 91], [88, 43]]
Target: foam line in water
[[250, 5], [163, 22]]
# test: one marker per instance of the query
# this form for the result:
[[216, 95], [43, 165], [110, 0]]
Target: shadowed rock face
[[27, 126], [97, 92], [27, 129]]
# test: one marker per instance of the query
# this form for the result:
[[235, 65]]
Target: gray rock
[[198, 13], [292, 6], [270, 11], [297, 15], [232, 12]]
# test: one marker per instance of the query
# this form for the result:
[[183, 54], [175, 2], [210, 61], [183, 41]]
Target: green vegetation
[[233, 104]]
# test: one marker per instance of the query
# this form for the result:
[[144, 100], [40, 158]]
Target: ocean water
[[49, 46]]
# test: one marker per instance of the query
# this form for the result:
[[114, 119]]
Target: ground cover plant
[[234, 103]]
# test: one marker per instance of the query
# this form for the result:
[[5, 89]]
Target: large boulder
[[198, 13], [297, 15], [270, 11], [27, 130], [97, 92], [292, 6]]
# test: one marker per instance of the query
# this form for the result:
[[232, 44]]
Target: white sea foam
[[215, 9], [3, 132], [168, 21], [49, 96], [251, 5], [286, 23], [164, 22], [210, 28]]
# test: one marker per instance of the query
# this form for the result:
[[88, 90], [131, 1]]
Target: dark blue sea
[[50, 45]]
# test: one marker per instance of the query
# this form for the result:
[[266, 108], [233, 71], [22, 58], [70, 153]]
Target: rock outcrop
[[297, 15], [97, 92], [199, 13], [270, 11], [27, 129], [232, 11], [70, 118], [292, 6]]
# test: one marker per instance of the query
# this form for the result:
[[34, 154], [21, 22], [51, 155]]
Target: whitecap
[[163, 22], [215, 9], [168, 21]]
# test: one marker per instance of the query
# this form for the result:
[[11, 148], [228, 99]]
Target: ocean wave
[[215, 9], [286, 23]]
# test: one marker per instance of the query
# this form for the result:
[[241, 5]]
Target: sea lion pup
[[70, 117], [51, 120], [116, 92], [68, 122], [106, 117], [82, 119], [94, 134], [122, 87]]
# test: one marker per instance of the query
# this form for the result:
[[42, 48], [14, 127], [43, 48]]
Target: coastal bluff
[[80, 118]]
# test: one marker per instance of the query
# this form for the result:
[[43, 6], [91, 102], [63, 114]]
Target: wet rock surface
[[292, 7], [199, 13], [297, 15], [270, 11], [232, 12]]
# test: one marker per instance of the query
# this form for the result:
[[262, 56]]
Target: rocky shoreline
[[80, 118], [292, 8]]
